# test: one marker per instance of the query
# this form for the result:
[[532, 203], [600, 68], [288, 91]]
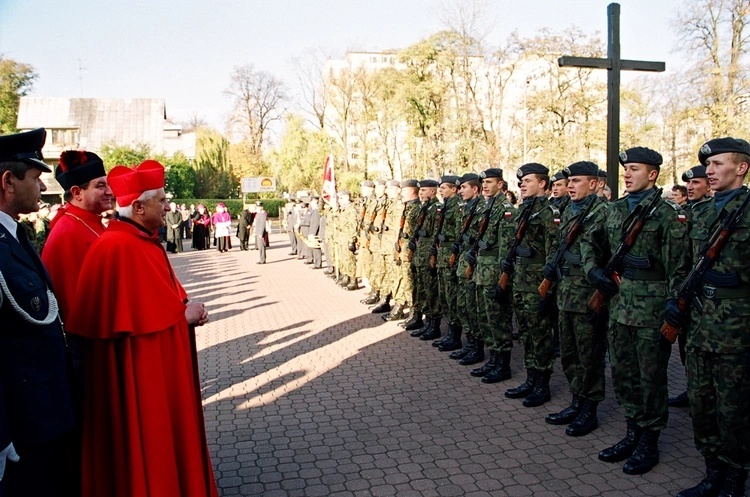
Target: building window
[[64, 138]]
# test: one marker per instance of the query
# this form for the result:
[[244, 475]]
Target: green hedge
[[272, 205]]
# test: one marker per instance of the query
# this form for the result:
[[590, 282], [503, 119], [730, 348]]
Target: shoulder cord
[[52, 311]]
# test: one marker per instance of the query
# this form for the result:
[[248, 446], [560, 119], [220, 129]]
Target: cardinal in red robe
[[143, 428]]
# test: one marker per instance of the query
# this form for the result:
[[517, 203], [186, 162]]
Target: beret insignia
[[519, 174], [623, 156], [689, 173], [705, 149]]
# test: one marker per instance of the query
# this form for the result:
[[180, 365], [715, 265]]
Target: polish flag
[[329, 179]]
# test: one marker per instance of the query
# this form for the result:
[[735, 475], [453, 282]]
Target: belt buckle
[[629, 273], [709, 292]]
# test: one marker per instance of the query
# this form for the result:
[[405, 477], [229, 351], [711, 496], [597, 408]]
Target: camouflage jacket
[[373, 220], [467, 242], [574, 288], [346, 224], [451, 209], [656, 265], [561, 204], [410, 213], [426, 233], [389, 226], [365, 213], [724, 325], [539, 241], [495, 241]]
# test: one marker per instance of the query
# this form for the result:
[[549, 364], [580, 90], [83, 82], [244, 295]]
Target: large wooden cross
[[614, 64]]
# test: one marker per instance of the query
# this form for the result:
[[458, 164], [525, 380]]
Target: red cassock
[[143, 431]]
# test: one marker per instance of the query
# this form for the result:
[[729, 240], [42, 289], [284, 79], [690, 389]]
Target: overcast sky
[[184, 50]]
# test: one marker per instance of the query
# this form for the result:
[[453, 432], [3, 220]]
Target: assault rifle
[[464, 230], [565, 244], [474, 250], [691, 286], [382, 218], [615, 265], [400, 234], [438, 231], [362, 214], [420, 222], [371, 227], [521, 227]]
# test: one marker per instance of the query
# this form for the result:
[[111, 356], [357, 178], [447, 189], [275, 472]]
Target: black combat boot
[[710, 486], [567, 415], [475, 355], [487, 366], [397, 312], [372, 298], [452, 340], [586, 421], [679, 401], [464, 350], [342, 281], [541, 393], [646, 454], [415, 322], [353, 285], [502, 369], [625, 447], [384, 305], [426, 326], [524, 388], [734, 484], [434, 331]]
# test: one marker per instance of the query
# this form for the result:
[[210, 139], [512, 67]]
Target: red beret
[[129, 183]]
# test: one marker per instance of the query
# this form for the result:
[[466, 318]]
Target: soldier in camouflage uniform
[[330, 211], [472, 351], [539, 241], [583, 343], [387, 234], [494, 317], [439, 253], [401, 284], [718, 341], [370, 205], [698, 202], [425, 295], [654, 266], [347, 222], [560, 199]]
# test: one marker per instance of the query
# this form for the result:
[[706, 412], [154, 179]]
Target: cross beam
[[614, 64]]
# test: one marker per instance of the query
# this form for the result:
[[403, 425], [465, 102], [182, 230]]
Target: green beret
[[467, 177], [641, 155], [410, 183], [582, 168], [531, 168], [493, 172], [721, 146], [428, 183], [694, 172]]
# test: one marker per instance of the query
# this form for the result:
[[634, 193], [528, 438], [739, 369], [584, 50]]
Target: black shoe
[[524, 388], [567, 415], [383, 306], [734, 484], [342, 281], [434, 331], [475, 355], [415, 321], [710, 486], [646, 454], [586, 421], [397, 312], [352, 285], [465, 349], [486, 367], [415, 332], [452, 340], [371, 299], [679, 401], [501, 372], [541, 393], [625, 447], [307, 262]]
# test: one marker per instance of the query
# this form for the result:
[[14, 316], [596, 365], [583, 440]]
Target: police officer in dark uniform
[[36, 413]]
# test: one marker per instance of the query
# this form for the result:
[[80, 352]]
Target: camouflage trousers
[[494, 320], [582, 350], [466, 303], [426, 291], [534, 332], [402, 286], [639, 360], [448, 294], [365, 262], [347, 260], [380, 278], [719, 393]]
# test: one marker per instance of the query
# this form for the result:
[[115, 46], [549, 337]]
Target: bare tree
[[194, 122], [309, 70], [258, 103]]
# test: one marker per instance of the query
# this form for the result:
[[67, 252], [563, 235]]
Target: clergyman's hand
[[196, 314]]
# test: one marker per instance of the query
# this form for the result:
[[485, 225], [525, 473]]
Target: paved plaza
[[308, 394]]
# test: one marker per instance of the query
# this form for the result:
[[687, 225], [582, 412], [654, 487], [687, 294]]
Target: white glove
[[7, 453]]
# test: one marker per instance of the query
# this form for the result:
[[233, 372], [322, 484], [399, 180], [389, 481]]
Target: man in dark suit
[[36, 413], [261, 235], [315, 234]]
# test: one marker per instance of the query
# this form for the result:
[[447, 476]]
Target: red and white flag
[[329, 179]]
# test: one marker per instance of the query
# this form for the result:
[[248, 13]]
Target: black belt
[[716, 293], [572, 271]]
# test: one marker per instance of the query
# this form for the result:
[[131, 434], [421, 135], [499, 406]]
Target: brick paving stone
[[307, 393]]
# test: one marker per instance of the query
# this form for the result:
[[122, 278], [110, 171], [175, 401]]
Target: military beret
[[393, 182], [428, 183], [641, 155], [493, 172], [379, 182], [467, 177], [76, 168], [602, 173], [558, 176], [368, 183], [531, 168], [449, 178], [721, 146], [582, 168], [694, 172], [25, 147], [410, 183]]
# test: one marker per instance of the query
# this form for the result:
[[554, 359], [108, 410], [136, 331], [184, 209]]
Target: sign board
[[258, 184]]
